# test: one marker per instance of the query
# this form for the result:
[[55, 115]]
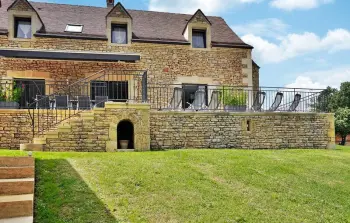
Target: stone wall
[[16, 125], [172, 130], [15, 128], [166, 63], [96, 131]]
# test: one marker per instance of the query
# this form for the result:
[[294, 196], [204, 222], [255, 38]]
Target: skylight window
[[74, 28]]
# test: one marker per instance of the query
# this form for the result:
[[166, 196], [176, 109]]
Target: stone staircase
[[39, 143], [16, 189]]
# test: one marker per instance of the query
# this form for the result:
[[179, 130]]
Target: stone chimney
[[110, 4]]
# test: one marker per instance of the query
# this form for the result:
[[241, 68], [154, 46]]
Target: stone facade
[[256, 83], [166, 63], [173, 130]]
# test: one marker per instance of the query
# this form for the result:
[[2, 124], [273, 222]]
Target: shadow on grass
[[61, 195]]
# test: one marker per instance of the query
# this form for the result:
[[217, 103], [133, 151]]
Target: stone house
[[49, 48], [56, 42]]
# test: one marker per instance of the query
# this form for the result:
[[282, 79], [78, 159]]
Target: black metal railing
[[48, 110], [20, 93], [235, 99]]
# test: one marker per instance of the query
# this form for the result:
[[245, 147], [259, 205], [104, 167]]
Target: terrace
[[51, 102]]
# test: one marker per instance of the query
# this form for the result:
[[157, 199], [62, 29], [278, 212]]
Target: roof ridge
[[100, 7]]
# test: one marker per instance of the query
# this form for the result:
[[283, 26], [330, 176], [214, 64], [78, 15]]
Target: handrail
[[54, 116]]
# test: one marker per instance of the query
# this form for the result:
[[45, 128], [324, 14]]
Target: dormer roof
[[119, 11], [199, 16]]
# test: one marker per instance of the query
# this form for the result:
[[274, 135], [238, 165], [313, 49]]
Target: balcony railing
[[192, 97], [132, 86]]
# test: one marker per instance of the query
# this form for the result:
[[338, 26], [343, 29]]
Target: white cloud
[[190, 6], [322, 78], [270, 27], [294, 45], [290, 5]]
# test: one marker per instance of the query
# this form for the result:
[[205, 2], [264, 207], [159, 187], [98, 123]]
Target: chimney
[[110, 4]]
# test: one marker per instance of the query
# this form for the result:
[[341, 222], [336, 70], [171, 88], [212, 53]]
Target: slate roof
[[147, 25]]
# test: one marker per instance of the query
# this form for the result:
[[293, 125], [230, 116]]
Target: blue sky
[[298, 43]]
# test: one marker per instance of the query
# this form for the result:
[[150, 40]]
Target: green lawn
[[193, 186]]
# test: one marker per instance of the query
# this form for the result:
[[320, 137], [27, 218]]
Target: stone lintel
[[121, 105]]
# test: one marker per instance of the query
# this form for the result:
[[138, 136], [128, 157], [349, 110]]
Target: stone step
[[41, 141], [16, 186], [32, 147], [16, 161], [16, 172], [51, 135], [28, 219], [16, 206]]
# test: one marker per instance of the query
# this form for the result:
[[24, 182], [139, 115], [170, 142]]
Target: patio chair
[[61, 102], [100, 101], [199, 101], [295, 103], [42, 102], [84, 103], [258, 100], [278, 99], [175, 102], [214, 101]]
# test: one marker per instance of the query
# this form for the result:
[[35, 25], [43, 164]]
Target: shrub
[[11, 95], [234, 97]]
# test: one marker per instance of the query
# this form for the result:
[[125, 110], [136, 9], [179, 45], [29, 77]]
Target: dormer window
[[199, 38], [23, 28], [74, 28], [119, 33]]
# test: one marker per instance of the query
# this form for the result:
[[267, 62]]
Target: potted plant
[[124, 144], [10, 95], [234, 100]]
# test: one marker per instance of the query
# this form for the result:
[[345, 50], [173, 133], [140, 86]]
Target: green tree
[[342, 123], [342, 98], [327, 101]]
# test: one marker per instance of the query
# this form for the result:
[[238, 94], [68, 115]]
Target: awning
[[68, 55]]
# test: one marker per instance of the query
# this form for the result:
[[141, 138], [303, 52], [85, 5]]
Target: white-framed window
[[23, 28], [74, 28], [119, 33], [199, 39]]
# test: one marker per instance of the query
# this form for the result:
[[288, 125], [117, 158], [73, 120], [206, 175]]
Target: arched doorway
[[125, 131]]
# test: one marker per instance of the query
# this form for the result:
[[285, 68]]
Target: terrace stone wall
[[174, 130], [16, 128], [96, 130]]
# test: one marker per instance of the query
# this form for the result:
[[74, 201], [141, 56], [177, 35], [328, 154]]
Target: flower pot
[[124, 144], [235, 108], [9, 105]]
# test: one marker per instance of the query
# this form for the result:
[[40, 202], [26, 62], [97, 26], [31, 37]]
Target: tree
[[327, 101], [342, 123], [342, 98]]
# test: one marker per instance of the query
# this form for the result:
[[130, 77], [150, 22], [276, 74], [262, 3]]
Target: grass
[[193, 186]]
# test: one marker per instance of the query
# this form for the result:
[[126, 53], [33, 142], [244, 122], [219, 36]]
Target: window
[[74, 28], [23, 28], [199, 39], [189, 94], [119, 34], [115, 90], [30, 89]]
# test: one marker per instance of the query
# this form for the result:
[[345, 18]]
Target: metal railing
[[20, 93], [187, 97], [49, 110]]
